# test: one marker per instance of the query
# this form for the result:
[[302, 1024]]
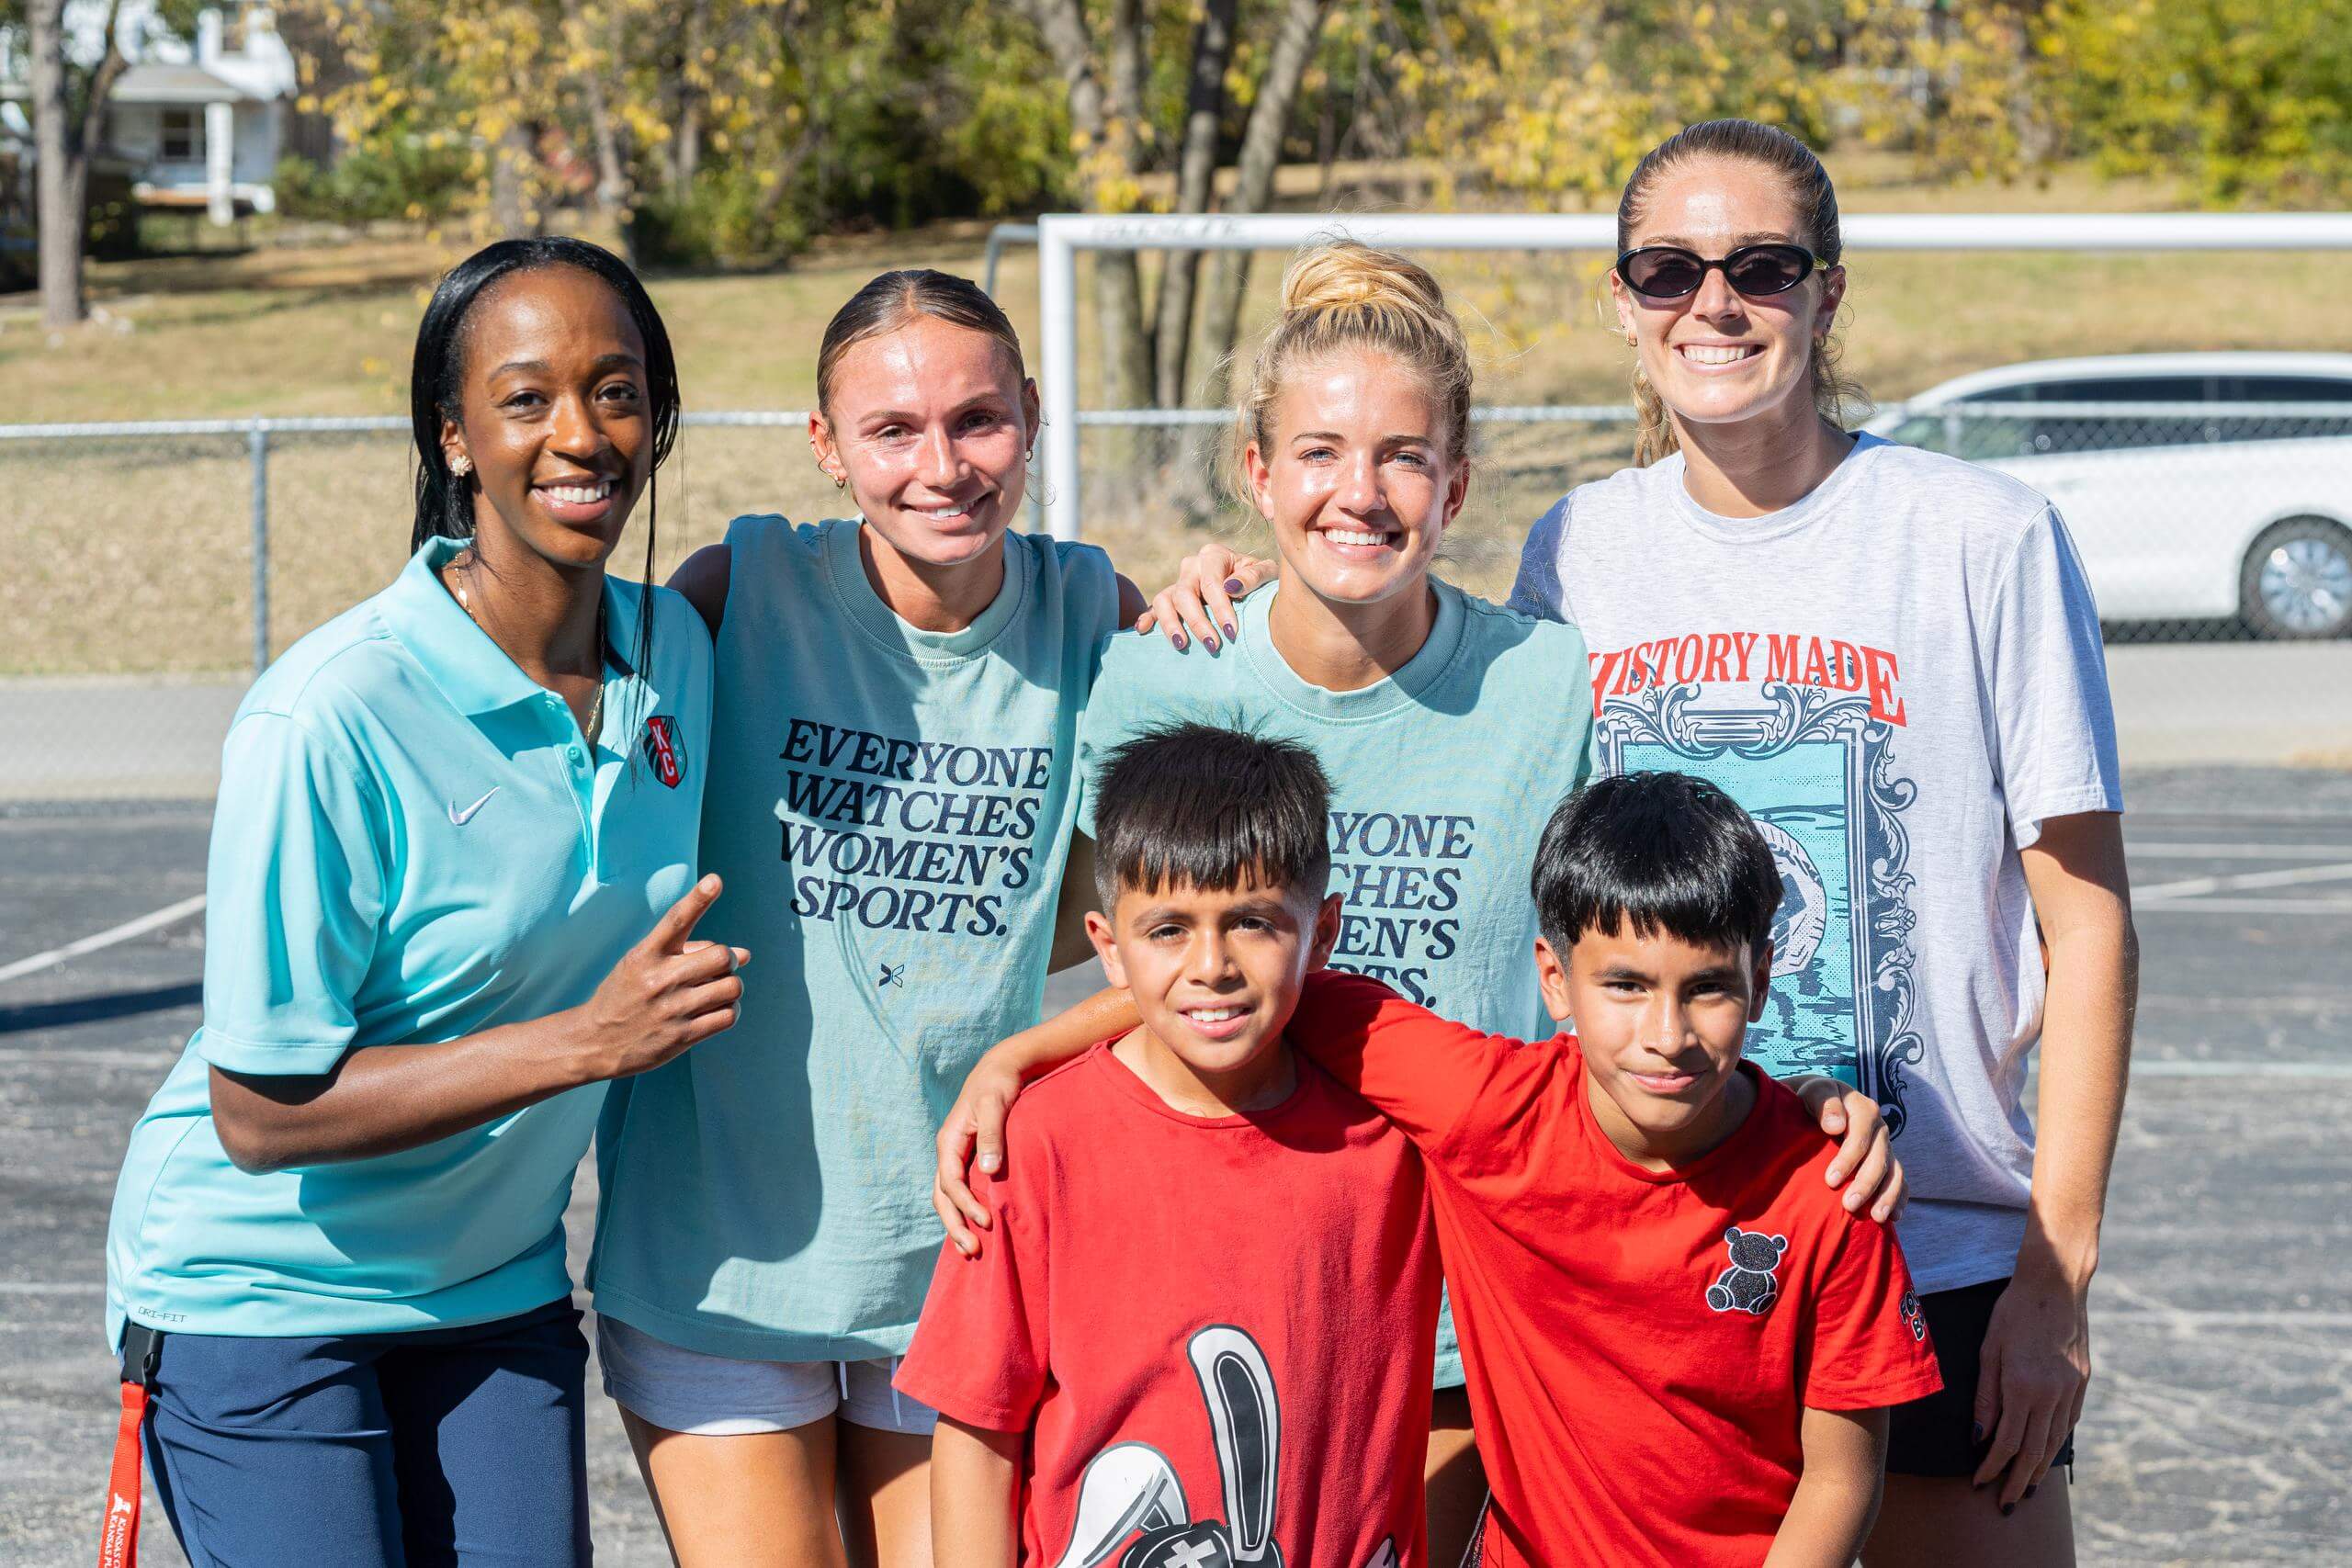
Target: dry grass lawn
[[131, 555]]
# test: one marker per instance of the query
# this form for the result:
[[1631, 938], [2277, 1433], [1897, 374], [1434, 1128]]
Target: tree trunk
[[1118, 275], [59, 215], [1195, 183], [1261, 146], [685, 160], [509, 207], [612, 175], [1108, 125]]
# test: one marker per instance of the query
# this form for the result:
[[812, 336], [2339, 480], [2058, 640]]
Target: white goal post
[[1060, 237]]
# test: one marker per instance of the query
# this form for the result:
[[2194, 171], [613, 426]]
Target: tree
[[68, 118], [2250, 99]]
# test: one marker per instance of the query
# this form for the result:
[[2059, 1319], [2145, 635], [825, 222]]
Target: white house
[[204, 120]]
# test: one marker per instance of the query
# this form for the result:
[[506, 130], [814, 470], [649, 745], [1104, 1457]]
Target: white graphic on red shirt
[[1131, 1487]]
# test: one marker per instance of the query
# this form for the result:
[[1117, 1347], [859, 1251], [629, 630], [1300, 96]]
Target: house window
[[182, 135]]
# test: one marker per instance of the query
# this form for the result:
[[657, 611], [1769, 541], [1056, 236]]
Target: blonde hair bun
[[1347, 274]]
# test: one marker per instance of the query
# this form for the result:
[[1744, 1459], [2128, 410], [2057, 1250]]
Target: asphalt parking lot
[[2219, 1429]]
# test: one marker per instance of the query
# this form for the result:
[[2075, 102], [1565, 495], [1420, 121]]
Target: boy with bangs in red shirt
[[1680, 1349], [1202, 1333]]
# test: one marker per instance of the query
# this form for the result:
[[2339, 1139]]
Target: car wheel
[[2297, 581]]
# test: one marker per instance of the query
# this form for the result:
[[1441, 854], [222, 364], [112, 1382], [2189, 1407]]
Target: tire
[[2297, 579]]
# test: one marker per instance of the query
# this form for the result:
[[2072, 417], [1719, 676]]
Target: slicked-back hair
[[1190, 804], [1655, 852], [893, 298], [444, 503]]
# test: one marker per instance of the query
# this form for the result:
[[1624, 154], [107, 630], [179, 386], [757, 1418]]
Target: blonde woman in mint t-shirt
[[1893, 660]]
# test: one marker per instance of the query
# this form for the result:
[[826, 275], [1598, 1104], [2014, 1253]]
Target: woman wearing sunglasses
[[1892, 659]]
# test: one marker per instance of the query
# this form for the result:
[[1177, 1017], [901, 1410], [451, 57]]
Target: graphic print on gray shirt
[[1900, 678]]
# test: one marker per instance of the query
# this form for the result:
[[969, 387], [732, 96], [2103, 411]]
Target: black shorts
[[1935, 1436]]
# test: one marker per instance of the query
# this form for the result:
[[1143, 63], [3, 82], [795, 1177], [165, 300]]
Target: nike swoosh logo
[[461, 818]]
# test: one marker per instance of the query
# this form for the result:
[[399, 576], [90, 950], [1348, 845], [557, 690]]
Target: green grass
[[132, 557]]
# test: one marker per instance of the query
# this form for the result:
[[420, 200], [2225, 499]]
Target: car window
[[2121, 431], [2127, 389], [2285, 389], [1956, 433]]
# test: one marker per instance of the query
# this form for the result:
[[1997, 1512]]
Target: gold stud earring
[[461, 465]]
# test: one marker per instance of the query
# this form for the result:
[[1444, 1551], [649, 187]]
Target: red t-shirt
[[1217, 1330], [1637, 1370]]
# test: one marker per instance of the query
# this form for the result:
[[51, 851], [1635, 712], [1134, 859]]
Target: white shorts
[[718, 1397]]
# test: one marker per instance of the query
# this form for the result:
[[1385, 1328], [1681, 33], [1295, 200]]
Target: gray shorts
[[718, 1396]]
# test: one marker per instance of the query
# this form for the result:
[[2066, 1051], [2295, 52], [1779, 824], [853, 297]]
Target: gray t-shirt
[[1901, 677]]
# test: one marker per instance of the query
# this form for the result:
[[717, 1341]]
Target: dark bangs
[[1655, 852], [1192, 805]]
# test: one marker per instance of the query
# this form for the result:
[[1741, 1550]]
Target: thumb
[[1987, 1410], [670, 932]]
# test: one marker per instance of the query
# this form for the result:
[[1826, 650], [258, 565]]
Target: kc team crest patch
[[664, 749]]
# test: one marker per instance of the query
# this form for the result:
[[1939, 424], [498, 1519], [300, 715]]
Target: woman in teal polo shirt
[[452, 892]]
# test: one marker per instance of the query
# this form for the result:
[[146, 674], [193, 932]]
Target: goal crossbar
[[1061, 236]]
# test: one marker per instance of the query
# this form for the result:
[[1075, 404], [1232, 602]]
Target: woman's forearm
[[1044, 1047], [381, 1099], [2094, 956], [2085, 1065]]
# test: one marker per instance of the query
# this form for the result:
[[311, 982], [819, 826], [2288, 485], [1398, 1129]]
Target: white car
[[2196, 486]]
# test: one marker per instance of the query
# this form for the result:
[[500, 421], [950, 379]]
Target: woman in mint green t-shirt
[[900, 695], [1449, 727]]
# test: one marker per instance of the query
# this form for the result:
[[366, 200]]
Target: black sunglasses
[[1671, 272]]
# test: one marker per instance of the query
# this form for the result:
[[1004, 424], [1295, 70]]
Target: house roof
[[154, 83]]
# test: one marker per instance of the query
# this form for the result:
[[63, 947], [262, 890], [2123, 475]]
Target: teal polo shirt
[[413, 843]]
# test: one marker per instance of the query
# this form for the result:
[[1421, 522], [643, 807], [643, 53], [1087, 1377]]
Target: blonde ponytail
[[1340, 295]]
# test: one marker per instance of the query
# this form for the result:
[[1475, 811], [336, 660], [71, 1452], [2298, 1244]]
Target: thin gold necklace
[[595, 725]]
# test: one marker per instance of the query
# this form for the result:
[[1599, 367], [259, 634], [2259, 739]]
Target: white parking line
[[2161, 1068], [2245, 880], [2234, 851], [2244, 907], [107, 937], [2190, 1322], [97, 1056]]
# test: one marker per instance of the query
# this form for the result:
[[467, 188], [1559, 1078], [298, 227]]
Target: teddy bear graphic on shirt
[[1131, 1487], [1748, 1285]]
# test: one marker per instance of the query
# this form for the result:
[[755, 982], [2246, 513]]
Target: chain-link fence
[[156, 563]]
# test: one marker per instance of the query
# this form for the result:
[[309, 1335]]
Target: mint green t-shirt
[[891, 810], [1442, 777]]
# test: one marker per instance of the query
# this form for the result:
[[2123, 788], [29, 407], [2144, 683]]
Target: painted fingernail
[[1179, 639], [1977, 1431], [1233, 585], [1230, 630], [2007, 1508]]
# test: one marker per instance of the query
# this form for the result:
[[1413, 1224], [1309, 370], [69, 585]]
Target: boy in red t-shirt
[[1680, 1349], [1201, 1335]]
